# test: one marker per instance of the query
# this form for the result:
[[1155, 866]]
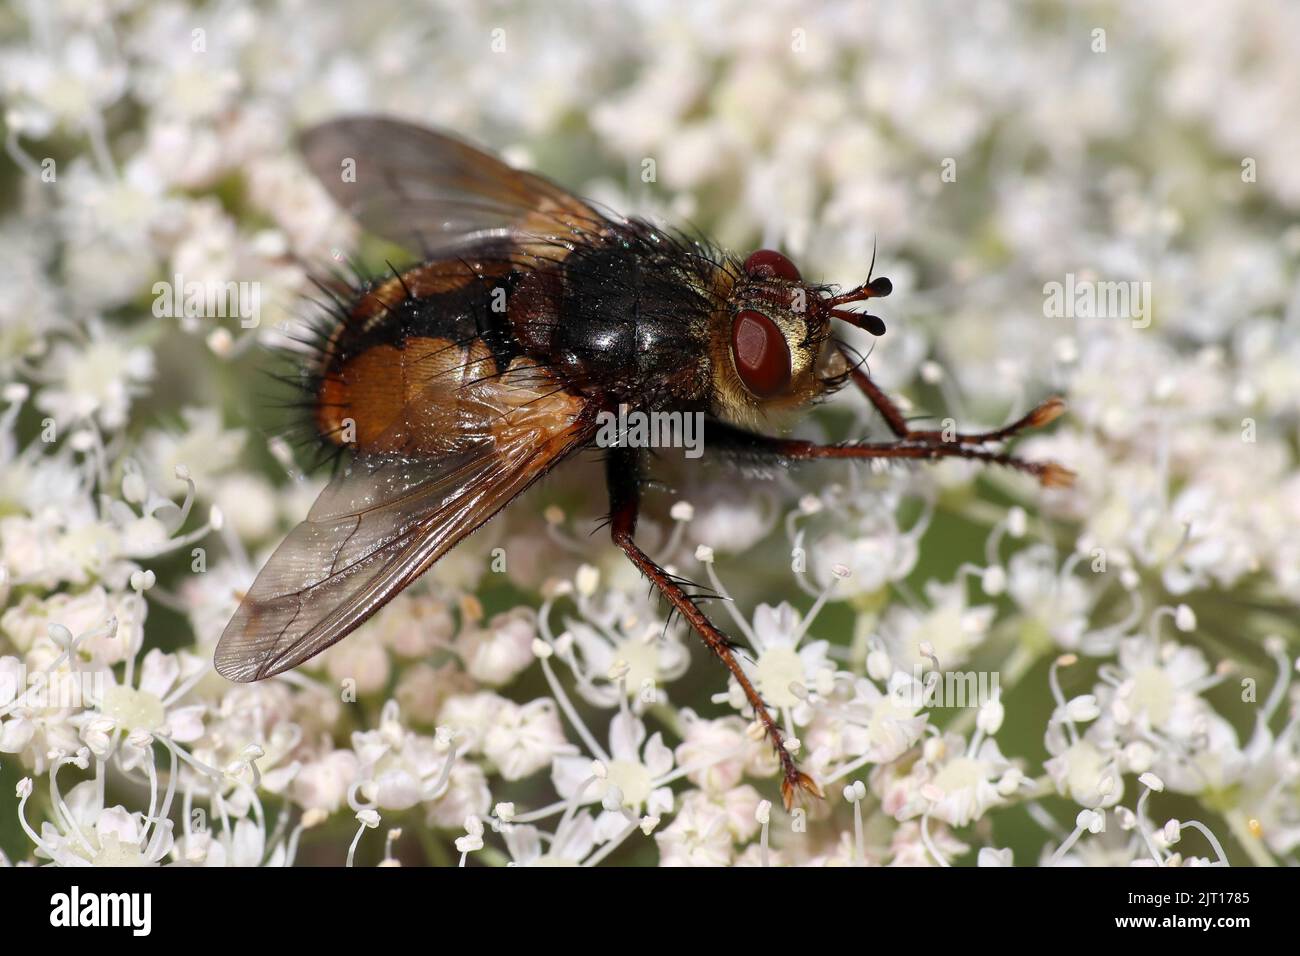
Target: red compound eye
[[766, 263], [761, 353]]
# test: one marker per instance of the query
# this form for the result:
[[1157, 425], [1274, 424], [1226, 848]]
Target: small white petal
[[1083, 708]]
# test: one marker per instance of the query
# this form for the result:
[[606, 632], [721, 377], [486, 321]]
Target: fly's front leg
[[622, 472], [766, 449], [1045, 413]]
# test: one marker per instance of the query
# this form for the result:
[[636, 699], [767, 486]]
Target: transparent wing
[[385, 520], [430, 192]]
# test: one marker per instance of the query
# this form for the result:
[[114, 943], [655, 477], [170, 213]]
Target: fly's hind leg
[[623, 478]]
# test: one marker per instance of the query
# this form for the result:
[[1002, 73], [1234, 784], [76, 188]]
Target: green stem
[[435, 850]]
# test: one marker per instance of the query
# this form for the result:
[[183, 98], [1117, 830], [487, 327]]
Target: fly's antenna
[[871, 289]]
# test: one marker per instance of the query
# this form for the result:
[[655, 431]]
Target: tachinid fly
[[457, 383]]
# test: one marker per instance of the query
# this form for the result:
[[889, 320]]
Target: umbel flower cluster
[[976, 671]]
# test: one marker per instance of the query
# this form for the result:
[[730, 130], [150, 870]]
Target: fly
[[459, 382]]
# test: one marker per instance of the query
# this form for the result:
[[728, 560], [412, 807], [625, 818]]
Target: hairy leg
[[623, 478], [765, 449], [1043, 414]]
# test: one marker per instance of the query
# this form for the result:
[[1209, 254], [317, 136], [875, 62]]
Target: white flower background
[[1142, 626]]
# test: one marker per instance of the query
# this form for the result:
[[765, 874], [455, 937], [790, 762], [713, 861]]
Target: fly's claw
[[1052, 475], [797, 782], [1046, 413]]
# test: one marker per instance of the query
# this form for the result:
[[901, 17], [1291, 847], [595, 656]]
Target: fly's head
[[772, 345]]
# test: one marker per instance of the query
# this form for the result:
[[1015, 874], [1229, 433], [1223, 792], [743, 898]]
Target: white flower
[[200, 444], [496, 654], [253, 724], [988, 856], [1053, 600], [523, 739], [619, 630], [411, 625], [1157, 687], [783, 669], [730, 521], [466, 794], [248, 502], [875, 552], [634, 766], [956, 782], [153, 707], [361, 663], [1088, 773], [574, 840], [699, 834], [68, 86], [414, 625], [34, 719], [717, 752], [910, 846], [85, 613], [243, 844], [949, 626], [872, 726], [471, 716], [397, 768], [98, 379], [964, 787], [323, 783], [422, 690], [103, 836]]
